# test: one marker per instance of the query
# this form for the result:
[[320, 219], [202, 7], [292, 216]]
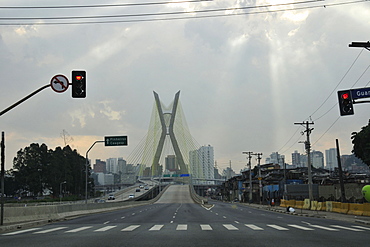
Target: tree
[[30, 166], [361, 144], [36, 168]]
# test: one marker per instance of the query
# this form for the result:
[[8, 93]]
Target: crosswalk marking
[[156, 228], [106, 228], [181, 227], [324, 228], [348, 228], [203, 227], [278, 227], [79, 229], [362, 227], [50, 230], [206, 227], [230, 227], [254, 227], [21, 231], [302, 227], [130, 228]]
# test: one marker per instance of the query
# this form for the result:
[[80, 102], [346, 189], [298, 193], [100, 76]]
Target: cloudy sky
[[246, 75]]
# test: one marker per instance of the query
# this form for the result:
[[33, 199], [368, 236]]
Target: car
[[146, 188], [131, 196], [137, 190], [99, 201], [111, 197]]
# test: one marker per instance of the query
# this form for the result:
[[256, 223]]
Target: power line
[[153, 14], [186, 17], [349, 69], [101, 5]]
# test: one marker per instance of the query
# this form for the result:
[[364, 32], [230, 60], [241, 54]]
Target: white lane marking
[[21, 231], [182, 227], [302, 227], [224, 217], [206, 227], [348, 228], [230, 227], [156, 228], [237, 222], [105, 222], [324, 228], [254, 227], [50, 230], [362, 227], [130, 228], [106, 228], [278, 227], [79, 229]]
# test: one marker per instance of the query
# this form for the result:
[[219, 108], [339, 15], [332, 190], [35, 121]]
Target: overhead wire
[[102, 5], [155, 14], [177, 13]]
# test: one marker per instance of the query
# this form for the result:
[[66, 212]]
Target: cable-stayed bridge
[[168, 147]]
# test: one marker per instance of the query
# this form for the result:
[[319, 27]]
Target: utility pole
[[284, 181], [343, 193], [365, 45], [250, 174], [2, 176], [308, 151], [259, 174]]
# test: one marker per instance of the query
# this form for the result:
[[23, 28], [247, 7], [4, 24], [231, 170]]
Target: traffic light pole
[[24, 99]]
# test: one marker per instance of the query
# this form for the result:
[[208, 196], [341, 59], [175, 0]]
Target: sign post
[[116, 141]]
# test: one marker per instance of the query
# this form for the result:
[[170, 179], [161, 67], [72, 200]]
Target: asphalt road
[[176, 221]]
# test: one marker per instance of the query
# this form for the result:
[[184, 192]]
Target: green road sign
[[116, 141]]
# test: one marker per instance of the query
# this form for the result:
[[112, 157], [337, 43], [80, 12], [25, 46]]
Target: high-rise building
[[100, 166], [202, 162], [317, 158], [121, 166], [331, 159], [170, 163], [296, 159], [112, 165]]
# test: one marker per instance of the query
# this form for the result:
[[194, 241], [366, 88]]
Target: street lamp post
[[87, 168]]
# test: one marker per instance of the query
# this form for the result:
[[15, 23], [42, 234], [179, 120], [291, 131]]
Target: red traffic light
[[345, 96], [78, 77]]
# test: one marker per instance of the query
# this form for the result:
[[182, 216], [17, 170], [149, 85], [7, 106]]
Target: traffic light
[[78, 84], [345, 103]]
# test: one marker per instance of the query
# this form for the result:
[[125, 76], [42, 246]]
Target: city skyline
[[246, 76]]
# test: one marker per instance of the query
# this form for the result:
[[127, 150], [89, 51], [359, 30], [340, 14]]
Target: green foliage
[[36, 169], [361, 144]]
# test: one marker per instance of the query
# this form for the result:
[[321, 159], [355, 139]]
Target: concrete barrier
[[329, 206], [314, 205], [299, 204], [366, 209], [356, 209], [307, 204]]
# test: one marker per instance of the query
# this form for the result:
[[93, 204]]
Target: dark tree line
[[37, 169], [361, 144]]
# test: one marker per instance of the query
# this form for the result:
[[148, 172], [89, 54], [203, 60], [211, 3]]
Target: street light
[[60, 190]]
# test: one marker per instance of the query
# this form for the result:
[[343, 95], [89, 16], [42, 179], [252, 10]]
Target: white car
[[131, 196], [111, 197]]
